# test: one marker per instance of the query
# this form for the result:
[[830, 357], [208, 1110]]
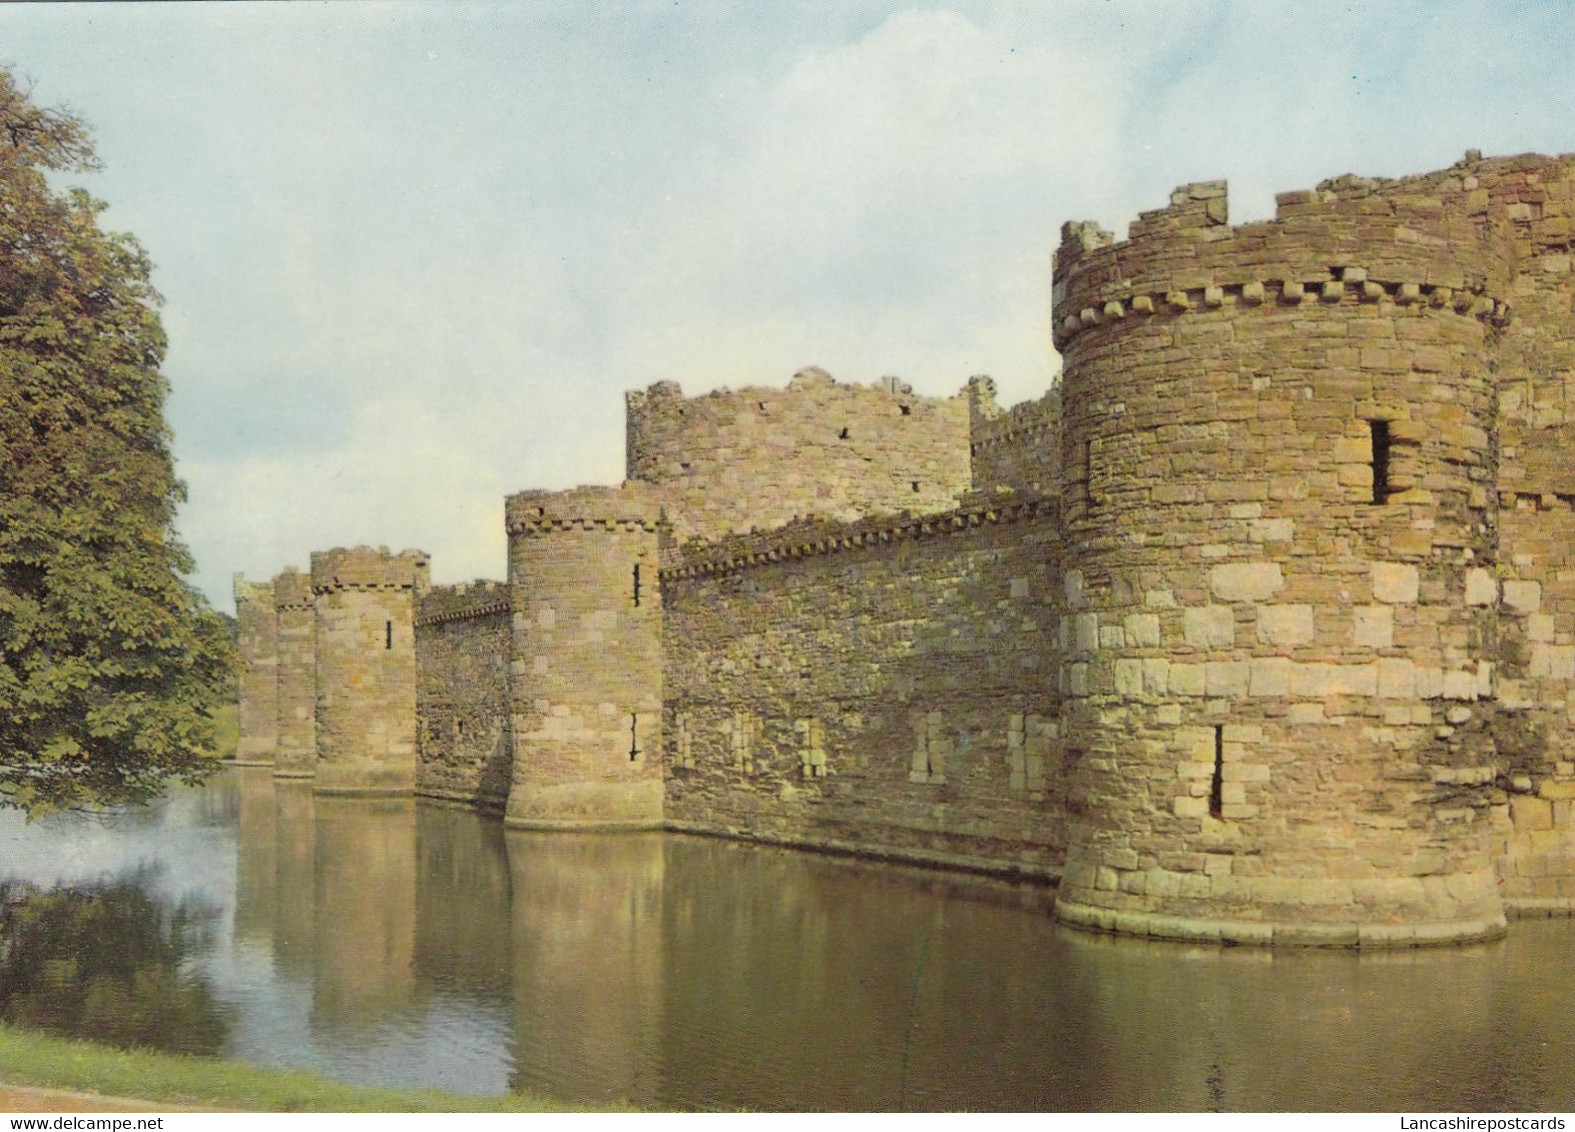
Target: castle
[[1258, 628]]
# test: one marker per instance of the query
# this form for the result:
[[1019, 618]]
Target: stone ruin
[[1259, 627]]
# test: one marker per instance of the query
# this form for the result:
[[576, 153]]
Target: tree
[[110, 663]]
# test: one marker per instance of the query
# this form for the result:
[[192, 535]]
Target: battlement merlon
[[1419, 240], [628, 506], [366, 568], [292, 589]]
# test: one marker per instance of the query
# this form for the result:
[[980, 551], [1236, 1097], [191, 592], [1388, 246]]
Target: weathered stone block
[[1396, 679], [1186, 679], [1321, 680], [1209, 626], [1394, 583], [1373, 626], [1459, 685], [1523, 597], [1269, 676], [1142, 630], [1481, 587], [1285, 625], [1246, 581], [1226, 677], [1129, 677]]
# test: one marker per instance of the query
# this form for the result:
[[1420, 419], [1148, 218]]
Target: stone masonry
[[1258, 627], [257, 625], [364, 602]]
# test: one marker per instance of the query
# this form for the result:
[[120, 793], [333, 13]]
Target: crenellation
[[1258, 627]]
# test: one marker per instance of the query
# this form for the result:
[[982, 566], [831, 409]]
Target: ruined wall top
[[292, 589], [463, 601], [366, 568], [730, 460], [813, 537], [630, 505], [1449, 238]]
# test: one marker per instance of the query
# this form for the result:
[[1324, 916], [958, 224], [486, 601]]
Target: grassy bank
[[31, 1058]]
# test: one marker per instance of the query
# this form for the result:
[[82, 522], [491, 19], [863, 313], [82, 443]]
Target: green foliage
[[109, 662], [106, 963]]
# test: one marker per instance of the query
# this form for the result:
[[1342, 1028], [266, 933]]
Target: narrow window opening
[[636, 584], [1217, 785], [388, 634], [1380, 460], [915, 485], [843, 435], [907, 410], [1088, 476], [634, 736]]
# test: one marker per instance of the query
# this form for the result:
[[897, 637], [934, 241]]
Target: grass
[[226, 731], [28, 1057]]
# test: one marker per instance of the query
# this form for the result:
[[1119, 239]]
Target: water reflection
[[103, 961], [399, 943], [589, 960]]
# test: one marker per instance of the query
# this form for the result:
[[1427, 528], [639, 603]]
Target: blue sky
[[413, 254]]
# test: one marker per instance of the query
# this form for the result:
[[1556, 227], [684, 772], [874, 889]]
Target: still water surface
[[411, 944]]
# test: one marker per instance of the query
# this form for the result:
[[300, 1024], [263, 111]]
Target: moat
[[395, 942]]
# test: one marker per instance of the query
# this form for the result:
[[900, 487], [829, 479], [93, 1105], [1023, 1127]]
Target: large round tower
[[586, 671], [364, 601], [1277, 466]]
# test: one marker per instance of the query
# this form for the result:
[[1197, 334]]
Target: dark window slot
[[636, 583], [1380, 460], [1217, 786], [634, 737], [388, 634]]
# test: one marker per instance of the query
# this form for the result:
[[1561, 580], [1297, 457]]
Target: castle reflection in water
[[409, 943]]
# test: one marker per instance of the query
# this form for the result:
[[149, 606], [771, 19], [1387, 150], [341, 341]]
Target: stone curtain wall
[[586, 686], [364, 601], [1262, 620], [297, 703], [258, 648], [1020, 447], [1279, 688], [884, 687], [757, 457], [462, 694], [1533, 198]]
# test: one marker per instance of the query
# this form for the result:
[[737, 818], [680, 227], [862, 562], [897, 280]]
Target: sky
[[413, 254]]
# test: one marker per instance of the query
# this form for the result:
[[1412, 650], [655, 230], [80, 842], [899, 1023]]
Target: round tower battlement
[[365, 568], [629, 507], [1325, 246], [1278, 468]]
